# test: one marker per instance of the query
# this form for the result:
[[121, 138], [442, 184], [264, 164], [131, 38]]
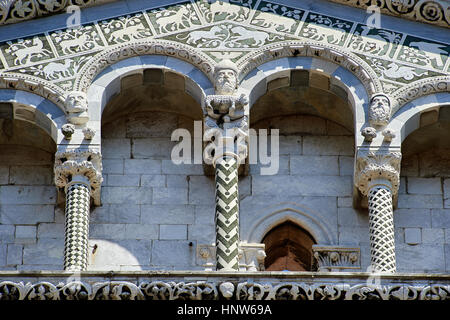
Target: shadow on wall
[[135, 255]]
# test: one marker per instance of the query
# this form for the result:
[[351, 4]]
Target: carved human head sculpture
[[76, 107], [225, 77], [76, 102], [379, 110]]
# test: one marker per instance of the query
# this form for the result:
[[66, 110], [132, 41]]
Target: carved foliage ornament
[[12, 11], [138, 48], [79, 162], [200, 290], [373, 165], [418, 89]]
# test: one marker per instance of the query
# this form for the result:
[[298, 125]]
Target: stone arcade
[[92, 206]]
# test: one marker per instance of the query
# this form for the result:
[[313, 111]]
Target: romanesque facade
[[235, 149]]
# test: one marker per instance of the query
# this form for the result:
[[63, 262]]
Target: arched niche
[[288, 248]]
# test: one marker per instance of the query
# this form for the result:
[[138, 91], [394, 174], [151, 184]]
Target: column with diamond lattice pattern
[[227, 214], [76, 225], [78, 173], [377, 176], [381, 228]]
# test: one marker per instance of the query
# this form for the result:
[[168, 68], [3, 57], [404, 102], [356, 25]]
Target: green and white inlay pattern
[[227, 214], [76, 227]]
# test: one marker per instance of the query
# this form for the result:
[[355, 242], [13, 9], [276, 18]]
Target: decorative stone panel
[[219, 286], [335, 258]]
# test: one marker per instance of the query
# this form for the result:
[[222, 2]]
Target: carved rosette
[[374, 167], [79, 163], [435, 12]]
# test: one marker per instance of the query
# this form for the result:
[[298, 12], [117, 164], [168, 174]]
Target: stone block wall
[[29, 224], [154, 213]]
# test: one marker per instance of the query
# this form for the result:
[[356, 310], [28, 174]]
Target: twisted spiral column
[[77, 224], [381, 228], [227, 214]]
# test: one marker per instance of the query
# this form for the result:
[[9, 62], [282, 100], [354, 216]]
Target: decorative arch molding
[[120, 52], [108, 82], [407, 119], [419, 89], [35, 85], [33, 108], [336, 55], [342, 82], [295, 213]]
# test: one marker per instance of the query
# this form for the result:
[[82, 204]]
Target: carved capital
[[331, 258], [77, 107], [221, 142], [372, 166], [226, 123], [226, 108], [251, 256], [74, 165]]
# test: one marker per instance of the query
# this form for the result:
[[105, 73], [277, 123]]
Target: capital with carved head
[[226, 122]]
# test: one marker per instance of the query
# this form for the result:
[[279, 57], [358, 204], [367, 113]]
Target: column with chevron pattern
[[226, 139], [227, 214]]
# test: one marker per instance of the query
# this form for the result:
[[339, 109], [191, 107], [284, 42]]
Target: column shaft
[[381, 229], [76, 226], [227, 214]]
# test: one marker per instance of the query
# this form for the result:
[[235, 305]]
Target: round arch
[[408, 118], [289, 212], [109, 82], [287, 71], [418, 89], [33, 108]]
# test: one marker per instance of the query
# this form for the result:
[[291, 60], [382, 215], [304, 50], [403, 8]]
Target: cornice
[[13, 11], [435, 12]]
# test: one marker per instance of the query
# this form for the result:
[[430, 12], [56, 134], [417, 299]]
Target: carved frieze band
[[137, 48], [435, 12], [13, 11], [374, 165], [215, 290]]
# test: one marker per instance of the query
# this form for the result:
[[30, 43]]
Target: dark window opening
[[288, 247]]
